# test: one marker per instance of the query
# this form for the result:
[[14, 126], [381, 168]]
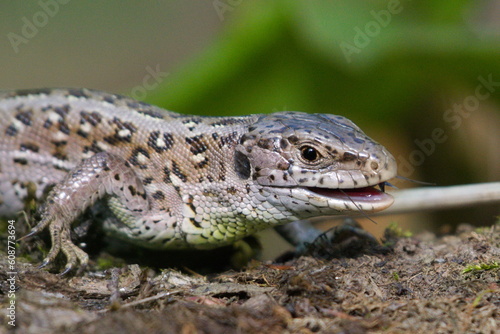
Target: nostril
[[374, 165]]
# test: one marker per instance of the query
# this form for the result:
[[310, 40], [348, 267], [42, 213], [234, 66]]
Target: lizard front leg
[[308, 240], [101, 175]]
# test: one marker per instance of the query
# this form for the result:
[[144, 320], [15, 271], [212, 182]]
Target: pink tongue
[[366, 194]]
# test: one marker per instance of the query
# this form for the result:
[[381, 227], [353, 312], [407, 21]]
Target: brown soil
[[416, 285]]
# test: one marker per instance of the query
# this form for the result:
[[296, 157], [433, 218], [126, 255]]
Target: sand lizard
[[179, 181]]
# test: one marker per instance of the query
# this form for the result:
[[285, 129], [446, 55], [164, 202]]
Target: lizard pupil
[[309, 153]]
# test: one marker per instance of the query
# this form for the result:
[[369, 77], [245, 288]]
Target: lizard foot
[[346, 240], [61, 242]]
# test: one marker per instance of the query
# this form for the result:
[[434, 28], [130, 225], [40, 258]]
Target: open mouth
[[358, 195]]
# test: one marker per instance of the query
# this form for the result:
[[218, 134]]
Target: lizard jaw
[[369, 199], [307, 202]]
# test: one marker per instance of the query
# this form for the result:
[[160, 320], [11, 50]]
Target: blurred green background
[[399, 69]]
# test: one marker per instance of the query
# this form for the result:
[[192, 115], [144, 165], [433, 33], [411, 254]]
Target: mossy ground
[[418, 286]]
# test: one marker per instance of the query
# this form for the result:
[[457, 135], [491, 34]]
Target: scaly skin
[[178, 181]]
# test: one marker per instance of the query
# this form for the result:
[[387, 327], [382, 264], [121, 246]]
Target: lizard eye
[[309, 154]]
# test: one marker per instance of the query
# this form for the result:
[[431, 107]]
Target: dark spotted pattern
[[29, 147], [81, 93], [20, 161], [92, 117], [150, 113], [61, 111], [91, 148], [132, 190], [229, 139], [191, 122], [63, 127], [228, 122], [135, 159], [60, 143], [60, 155], [178, 172], [28, 92], [82, 134], [123, 132], [197, 145], [202, 164], [167, 141], [166, 177], [11, 131], [47, 124], [159, 195], [25, 117]]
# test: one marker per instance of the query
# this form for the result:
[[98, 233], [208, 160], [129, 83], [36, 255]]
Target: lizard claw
[[65, 271], [74, 255], [29, 235], [44, 264], [37, 228]]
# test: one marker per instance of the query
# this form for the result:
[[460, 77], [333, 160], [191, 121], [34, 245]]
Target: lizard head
[[314, 164]]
